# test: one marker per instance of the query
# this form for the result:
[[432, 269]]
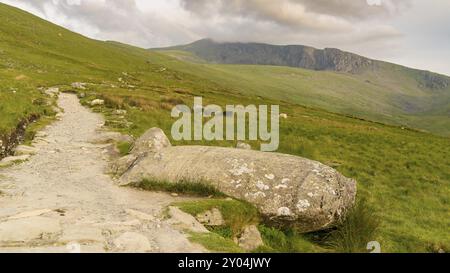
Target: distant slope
[[331, 79]]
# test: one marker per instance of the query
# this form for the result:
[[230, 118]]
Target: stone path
[[61, 200]]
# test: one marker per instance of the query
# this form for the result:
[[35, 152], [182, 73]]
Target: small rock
[[59, 116], [243, 146], [97, 102], [120, 112], [185, 221], [25, 150], [52, 92], [11, 160], [132, 242], [283, 116], [211, 218], [174, 194], [250, 238], [79, 85]]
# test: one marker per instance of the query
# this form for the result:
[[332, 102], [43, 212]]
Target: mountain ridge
[[299, 56]]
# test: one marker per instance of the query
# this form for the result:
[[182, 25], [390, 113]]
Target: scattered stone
[[79, 85], [132, 242], [250, 239], [11, 160], [28, 229], [120, 112], [41, 134], [97, 102], [283, 116], [211, 218], [185, 221], [174, 194], [59, 116], [52, 92], [25, 150], [243, 146]]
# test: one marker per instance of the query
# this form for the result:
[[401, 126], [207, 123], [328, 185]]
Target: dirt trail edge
[[61, 200]]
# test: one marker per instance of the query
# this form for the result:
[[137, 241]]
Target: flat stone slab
[[185, 221], [96, 248], [82, 235], [28, 229], [132, 242], [140, 215]]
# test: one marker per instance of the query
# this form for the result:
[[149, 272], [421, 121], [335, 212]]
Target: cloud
[[312, 14], [121, 20], [158, 23]]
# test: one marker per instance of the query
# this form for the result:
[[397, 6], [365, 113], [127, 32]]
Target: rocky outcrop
[[287, 190], [433, 81]]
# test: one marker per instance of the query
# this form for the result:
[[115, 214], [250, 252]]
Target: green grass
[[403, 173], [354, 233], [277, 241], [124, 148], [182, 187]]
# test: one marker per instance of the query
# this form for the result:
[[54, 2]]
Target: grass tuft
[[215, 242], [200, 188], [354, 233], [124, 148]]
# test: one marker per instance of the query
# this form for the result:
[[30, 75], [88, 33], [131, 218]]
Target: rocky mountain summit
[[300, 56], [291, 55]]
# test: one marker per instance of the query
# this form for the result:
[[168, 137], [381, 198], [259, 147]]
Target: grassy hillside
[[404, 174], [378, 91]]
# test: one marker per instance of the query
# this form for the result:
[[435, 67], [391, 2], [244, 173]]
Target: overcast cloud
[[411, 32]]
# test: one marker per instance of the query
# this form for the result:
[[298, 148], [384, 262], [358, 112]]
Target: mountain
[[403, 173], [330, 59], [331, 79], [265, 54]]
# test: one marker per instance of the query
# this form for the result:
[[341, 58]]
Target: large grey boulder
[[287, 190]]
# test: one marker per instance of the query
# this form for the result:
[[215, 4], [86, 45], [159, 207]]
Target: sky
[[415, 33]]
